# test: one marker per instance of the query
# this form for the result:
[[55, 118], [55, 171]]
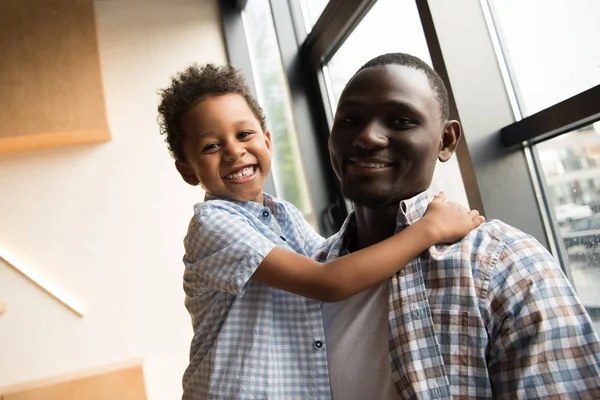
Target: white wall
[[106, 222]]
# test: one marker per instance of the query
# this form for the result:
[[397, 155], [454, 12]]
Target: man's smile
[[367, 165]]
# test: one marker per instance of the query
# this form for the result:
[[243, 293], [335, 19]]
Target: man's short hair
[[407, 60]]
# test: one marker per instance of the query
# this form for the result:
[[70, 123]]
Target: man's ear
[[268, 140], [187, 173], [450, 137]]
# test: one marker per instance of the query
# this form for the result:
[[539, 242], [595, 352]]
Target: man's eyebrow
[[402, 104], [351, 103], [391, 103]]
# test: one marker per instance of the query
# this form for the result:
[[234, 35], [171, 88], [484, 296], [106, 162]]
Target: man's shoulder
[[510, 249], [501, 232]]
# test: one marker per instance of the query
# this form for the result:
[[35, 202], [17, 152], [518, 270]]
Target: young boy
[[249, 280]]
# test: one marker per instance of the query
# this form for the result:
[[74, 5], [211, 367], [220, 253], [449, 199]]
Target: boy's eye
[[244, 134], [210, 148]]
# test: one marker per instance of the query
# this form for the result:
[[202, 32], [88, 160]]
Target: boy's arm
[[351, 274]]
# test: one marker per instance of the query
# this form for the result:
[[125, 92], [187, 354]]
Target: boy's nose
[[371, 137], [234, 152]]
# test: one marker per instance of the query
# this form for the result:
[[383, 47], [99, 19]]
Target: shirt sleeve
[[543, 343], [223, 250]]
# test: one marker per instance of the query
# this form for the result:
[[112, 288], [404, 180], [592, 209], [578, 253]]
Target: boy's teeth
[[242, 173]]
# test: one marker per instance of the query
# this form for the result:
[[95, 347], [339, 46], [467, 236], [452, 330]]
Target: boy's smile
[[226, 150]]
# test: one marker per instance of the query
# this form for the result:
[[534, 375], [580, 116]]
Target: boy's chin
[[247, 195]]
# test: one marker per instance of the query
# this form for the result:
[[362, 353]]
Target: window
[[551, 48], [379, 32], [311, 11], [273, 96], [570, 166]]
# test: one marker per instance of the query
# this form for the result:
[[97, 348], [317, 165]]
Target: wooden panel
[[50, 80], [123, 384]]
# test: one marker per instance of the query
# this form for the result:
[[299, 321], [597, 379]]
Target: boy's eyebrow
[[204, 134], [243, 122], [211, 133]]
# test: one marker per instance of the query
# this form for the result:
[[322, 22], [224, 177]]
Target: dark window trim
[[337, 21], [462, 151], [503, 176], [570, 114]]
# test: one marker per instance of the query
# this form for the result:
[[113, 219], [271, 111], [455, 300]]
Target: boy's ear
[[268, 139], [449, 141], [187, 173]]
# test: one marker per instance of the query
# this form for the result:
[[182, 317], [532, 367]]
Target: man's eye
[[402, 122], [350, 120]]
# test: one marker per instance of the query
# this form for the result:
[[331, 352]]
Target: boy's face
[[226, 150], [387, 135]]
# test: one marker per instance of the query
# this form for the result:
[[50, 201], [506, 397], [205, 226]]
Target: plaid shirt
[[250, 341], [491, 316]]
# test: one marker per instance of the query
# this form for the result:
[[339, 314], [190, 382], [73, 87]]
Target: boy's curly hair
[[193, 85]]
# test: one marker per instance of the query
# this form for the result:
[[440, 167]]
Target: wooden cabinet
[[51, 90], [125, 383]]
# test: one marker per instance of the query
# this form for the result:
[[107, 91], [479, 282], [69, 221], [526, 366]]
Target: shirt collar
[[275, 205], [411, 210]]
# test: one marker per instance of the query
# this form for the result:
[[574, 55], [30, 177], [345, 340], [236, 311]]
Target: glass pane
[[311, 11], [378, 33], [273, 96], [551, 48], [570, 166]]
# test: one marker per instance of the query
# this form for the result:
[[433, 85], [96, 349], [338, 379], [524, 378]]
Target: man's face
[[387, 135]]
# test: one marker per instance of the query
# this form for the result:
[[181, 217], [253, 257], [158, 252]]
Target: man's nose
[[234, 151], [371, 137]]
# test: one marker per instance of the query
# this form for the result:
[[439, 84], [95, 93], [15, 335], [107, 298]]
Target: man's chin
[[371, 199]]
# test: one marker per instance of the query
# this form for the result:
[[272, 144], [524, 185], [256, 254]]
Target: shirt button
[[318, 344], [282, 238], [265, 214]]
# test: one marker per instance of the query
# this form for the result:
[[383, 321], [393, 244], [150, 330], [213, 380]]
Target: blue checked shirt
[[250, 341], [491, 316]]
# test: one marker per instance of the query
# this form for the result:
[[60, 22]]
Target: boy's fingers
[[474, 213], [479, 219], [440, 197]]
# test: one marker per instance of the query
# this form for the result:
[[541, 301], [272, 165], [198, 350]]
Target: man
[[491, 316]]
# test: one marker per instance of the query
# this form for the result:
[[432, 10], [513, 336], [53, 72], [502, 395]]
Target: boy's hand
[[450, 222]]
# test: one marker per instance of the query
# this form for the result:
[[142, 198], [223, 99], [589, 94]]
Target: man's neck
[[374, 225]]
